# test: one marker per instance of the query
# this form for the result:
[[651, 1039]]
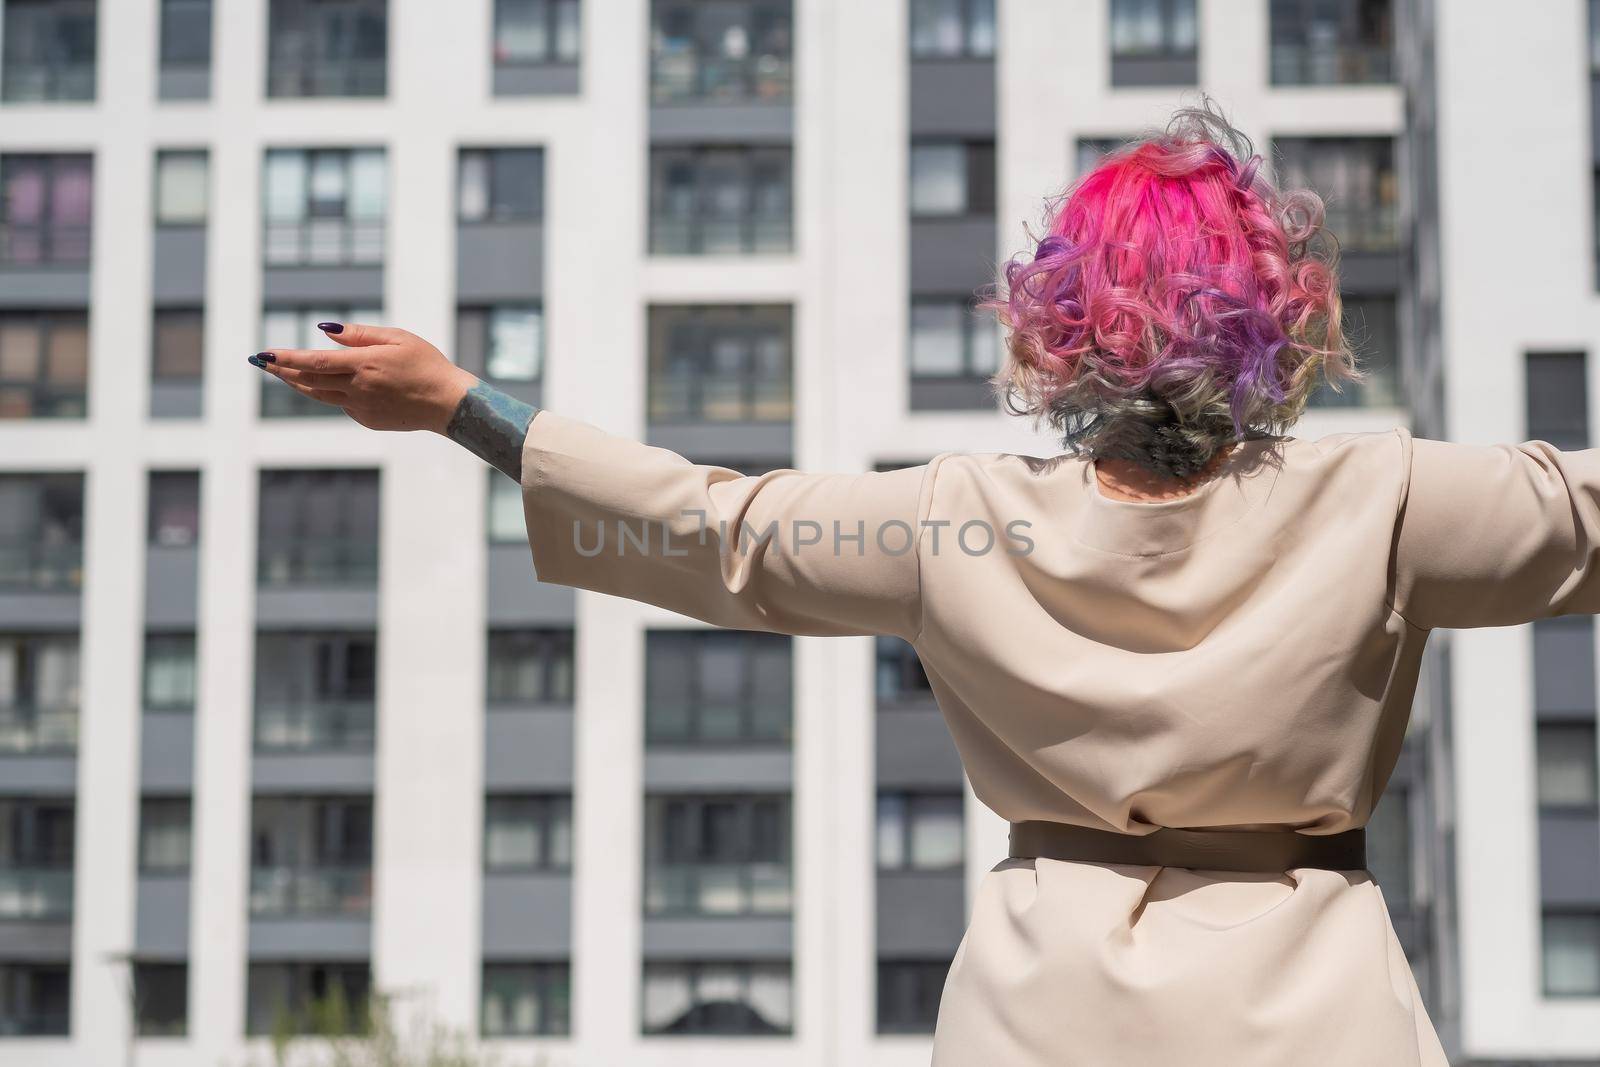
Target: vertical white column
[[219, 931], [108, 783], [428, 802], [596, 231]]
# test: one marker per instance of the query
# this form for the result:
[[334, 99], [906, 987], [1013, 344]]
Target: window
[[315, 691], [164, 835], [41, 530], [327, 47], [900, 677], [1091, 150], [44, 364], [717, 855], [181, 188], [35, 998], [296, 327], [185, 35], [1558, 398], [919, 831], [325, 207], [1389, 846], [507, 522], [537, 32], [908, 995], [952, 29], [530, 667], [179, 355], [1566, 757], [718, 687], [36, 846], [1372, 327], [46, 200], [39, 698], [722, 998], [1153, 42], [731, 50], [1564, 668], [950, 338], [49, 51], [1571, 942], [708, 200], [527, 833], [526, 999], [501, 185], [318, 527], [726, 363], [311, 856], [1357, 180], [1332, 42], [169, 672], [161, 999], [174, 509], [952, 178], [307, 997], [503, 342]]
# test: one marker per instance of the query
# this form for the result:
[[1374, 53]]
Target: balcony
[[313, 78], [719, 889], [1308, 64], [35, 894], [27, 731], [680, 76], [310, 892], [315, 727], [316, 562], [56, 245]]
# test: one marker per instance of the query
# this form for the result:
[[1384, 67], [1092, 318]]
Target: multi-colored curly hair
[[1178, 301]]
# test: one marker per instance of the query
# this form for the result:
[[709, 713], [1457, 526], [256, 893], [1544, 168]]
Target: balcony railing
[[1299, 64], [758, 233], [719, 889], [285, 892], [703, 397], [683, 77], [331, 726], [41, 568], [35, 894], [1364, 228], [344, 77], [30, 83], [321, 561], [330, 242], [57, 244], [35, 730]]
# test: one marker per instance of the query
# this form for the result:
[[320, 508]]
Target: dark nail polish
[[331, 327], [266, 357], [256, 361]]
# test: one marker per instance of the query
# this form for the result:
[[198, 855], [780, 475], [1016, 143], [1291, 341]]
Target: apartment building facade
[[314, 729]]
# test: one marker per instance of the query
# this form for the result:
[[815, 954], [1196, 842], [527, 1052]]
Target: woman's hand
[[384, 378]]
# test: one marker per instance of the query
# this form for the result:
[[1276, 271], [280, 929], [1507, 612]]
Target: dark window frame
[[901, 984], [549, 812], [682, 339], [328, 685], [148, 805], [66, 77], [897, 657], [1546, 914], [770, 28], [978, 159], [185, 640], [554, 651], [971, 323], [551, 981], [494, 159], [169, 56], [1167, 49], [1548, 376], [154, 982], [355, 230], [53, 538], [971, 16], [50, 397], [915, 802], [692, 971], [356, 559], [679, 831], [552, 57], [692, 646], [13, 973], [61, 245], [1360, 227], [1292, 58], [298, 54], [326, 869], [479, 319], [353, 979]]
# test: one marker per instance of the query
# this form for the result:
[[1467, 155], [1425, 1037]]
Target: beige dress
[[1244, 656]]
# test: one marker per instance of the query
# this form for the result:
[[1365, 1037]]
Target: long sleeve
[[1496, 535], [784, 551]]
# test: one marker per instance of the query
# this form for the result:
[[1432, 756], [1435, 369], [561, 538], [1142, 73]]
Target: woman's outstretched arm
[[783, 551]]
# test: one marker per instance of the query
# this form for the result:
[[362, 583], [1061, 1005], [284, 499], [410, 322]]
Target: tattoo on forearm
[[492, 426]]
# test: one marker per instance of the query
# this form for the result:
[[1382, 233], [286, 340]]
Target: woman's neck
[[1123, 479]]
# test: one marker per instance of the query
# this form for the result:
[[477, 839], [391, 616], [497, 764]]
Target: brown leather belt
[[1205, 850]]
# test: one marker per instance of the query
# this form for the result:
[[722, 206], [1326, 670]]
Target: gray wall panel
[[518, 598], [920, 913], [914, 749], [754, 770], [40, 611], [41, 942], [528, 748], [176, 400], [278, 609], [727, 442], [952, 256], [180, 266], [1569, 859], [307, 938], [172, 587], [161, 926], [527, 916], [722, 123], [187, 84], [53, 776], [547, 79], [166, 752], [49, 287], [732, 938], [952, 394], [499, 262], [312, 772], [321, 286], [952, 97]]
